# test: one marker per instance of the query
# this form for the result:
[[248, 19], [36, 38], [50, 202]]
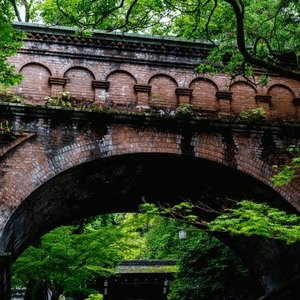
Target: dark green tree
[[69, 258], [243, 33], [10, 43], [208, 269]]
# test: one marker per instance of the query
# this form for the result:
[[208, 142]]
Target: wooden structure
[[139, 280]]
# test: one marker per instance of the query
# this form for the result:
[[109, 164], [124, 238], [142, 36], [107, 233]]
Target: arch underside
[[118, 184]]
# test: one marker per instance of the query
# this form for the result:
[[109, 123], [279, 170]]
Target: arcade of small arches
[[120, 88], [132, 71]]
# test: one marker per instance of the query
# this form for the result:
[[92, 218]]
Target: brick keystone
[[296, 101], [224, 95], [142, 88], [184, 91], [263, 98], [57, 80], [97, 84]]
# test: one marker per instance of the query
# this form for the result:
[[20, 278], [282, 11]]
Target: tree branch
[[243, 49], [13, 2]]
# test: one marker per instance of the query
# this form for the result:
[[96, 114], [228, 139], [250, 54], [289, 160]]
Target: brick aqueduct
[[68, 164]]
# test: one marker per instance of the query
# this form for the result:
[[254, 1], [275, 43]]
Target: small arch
[[205, 80], [121, 88], [281, 86], [245, 83], [164, 75], [282, 105], [243, 96], [79, 83], [35, 86], [163, 93], [121, 71], [35, 63], [204, 94], [80, 68]]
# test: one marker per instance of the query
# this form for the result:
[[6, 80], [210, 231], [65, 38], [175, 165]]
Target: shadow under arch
[[118, 183]]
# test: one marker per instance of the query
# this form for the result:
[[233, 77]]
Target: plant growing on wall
[[5, 127], [62, 100], [255, 114], [7, 95]]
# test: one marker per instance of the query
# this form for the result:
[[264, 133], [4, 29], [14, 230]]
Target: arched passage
[[118, 183]]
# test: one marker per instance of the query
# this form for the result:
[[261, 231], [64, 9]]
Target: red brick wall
[[160, 68], [79, 84], [163, 91], [242, 97], [35, 86], [121, 89], [204, 95], [282, 105]]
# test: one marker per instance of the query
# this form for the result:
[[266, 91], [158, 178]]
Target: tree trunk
[[36, 290]]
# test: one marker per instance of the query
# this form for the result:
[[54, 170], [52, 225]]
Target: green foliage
[[60, 101], [254, 114], [95, 297], [7, 95], [69, 257], [207, 269], [248, 218], [10, 43], [251, 218], [184, 109], [243, 32], [156, 97], [6, 127], [288, 172]]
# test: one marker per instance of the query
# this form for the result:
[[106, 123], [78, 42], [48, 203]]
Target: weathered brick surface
[[126, 61], [71, 164]]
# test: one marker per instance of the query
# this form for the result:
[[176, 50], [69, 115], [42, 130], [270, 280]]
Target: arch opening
[[118, 184]]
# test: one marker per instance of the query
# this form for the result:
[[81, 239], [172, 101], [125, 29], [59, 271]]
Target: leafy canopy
[[260, 29], [247, 218], [69, 257], [243, 33], [10, 43]]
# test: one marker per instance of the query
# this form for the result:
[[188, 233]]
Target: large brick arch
[[35, 86], [59, 146], [118, 183], [72, 168]]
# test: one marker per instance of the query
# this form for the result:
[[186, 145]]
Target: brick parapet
[[127, 61]]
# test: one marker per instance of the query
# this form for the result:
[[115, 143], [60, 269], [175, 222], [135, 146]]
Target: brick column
[[224, 99], [101, 88], [184, 95], [264, 101], [142, 92], [296, 102], [57, 85], [5, 274]]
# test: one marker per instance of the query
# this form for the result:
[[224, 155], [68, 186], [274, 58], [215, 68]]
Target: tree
[[69, 258], [30, 7], [207, 269], [10, 43], [244, 33]]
